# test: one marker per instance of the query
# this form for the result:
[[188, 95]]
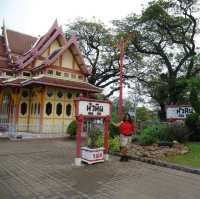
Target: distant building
[[39, 80]]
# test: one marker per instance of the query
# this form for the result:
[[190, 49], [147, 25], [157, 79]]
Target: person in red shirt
[[127, 129]]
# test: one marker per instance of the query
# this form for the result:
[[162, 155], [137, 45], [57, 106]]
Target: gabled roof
[[72, 45], [41, 45], [61, 83], [19, 43], [4, 62]]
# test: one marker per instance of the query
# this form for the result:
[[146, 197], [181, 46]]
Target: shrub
[[113, 130], [71, 130], [93, 136], [154, 134], [192, 121], [114, 144], [179, 131]]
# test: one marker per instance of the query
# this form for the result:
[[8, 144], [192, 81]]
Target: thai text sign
[[178, 112], [92, 108]]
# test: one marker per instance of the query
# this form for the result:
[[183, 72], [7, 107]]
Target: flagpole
[[120, 101]]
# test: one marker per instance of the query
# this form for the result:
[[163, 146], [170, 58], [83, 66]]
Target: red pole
[[106, 134], [78, 136], [120, 102]]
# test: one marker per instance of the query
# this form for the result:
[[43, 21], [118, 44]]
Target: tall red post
[[106, 134], [78, 140], [120, 102]]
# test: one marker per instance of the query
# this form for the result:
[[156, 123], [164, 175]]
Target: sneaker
[[126, 158], [122, 159]]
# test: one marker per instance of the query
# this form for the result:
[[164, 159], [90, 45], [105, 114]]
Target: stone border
[[163, 164]]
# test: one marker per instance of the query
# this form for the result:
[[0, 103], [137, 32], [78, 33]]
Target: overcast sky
[[36, 16]]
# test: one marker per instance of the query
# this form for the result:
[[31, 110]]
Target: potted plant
[[92, 153]]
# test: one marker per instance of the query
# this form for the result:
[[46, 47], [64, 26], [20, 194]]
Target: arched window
[[49, 93], [59, 94], [69, 95], [32, 109], [35, 108], [48, 108], [38, 108], [59, 109], [24, 93], [23, 108], [68, 109]]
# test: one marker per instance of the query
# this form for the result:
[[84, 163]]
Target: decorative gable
[[67, 59]]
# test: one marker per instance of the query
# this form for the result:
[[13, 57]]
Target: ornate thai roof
[[19, 43], [20, 53], [62, 83]]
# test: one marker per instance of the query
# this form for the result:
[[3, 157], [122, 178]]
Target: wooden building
[[39, 80]]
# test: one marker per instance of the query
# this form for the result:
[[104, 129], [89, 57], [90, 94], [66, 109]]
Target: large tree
[[165, 35], [99, 47], [95, 42]]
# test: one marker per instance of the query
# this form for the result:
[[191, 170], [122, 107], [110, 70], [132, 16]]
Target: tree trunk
[[162, 113]]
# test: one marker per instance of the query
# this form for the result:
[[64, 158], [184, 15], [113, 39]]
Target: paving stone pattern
[[44, 169]]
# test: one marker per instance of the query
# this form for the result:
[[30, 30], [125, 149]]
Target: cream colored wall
[[38, 62], [54, 46], [76, 67], [23, 119], [34, 122], [67, 59], [45, 53], [53, 123]]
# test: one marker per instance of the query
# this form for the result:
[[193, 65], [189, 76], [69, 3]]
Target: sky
[[35, 17]]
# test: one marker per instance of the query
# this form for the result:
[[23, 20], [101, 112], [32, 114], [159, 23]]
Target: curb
[[163, 164]]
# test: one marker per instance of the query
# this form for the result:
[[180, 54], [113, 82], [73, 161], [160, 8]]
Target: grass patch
[[190, 159]]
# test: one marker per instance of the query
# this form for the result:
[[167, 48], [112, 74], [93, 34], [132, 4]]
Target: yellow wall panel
[[45, 53], [67, 59], [54, 46]]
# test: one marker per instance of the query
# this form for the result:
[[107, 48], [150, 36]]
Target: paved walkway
[[44, 169]]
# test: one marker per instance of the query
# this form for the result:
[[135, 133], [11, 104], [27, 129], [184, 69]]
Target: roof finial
[[4, 25]]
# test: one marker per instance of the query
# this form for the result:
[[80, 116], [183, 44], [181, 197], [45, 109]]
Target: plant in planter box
[[93, 136], [92, 153]]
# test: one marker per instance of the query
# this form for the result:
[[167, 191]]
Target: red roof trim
[[61, 85]]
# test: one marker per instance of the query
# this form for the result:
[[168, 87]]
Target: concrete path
[[44, 169]]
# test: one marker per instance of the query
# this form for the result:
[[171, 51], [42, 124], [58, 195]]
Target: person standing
[[127, 129]]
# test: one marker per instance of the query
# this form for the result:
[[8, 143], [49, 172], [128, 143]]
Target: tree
[[165, 35], [99, 47], [95, 43]]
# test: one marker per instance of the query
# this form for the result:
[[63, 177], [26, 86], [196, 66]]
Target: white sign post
[[89, 108], [178, 112], [96, 109]]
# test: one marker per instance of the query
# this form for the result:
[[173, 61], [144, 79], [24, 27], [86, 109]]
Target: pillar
[[80, 121], [106, 137], [14, 108], [41, 97]]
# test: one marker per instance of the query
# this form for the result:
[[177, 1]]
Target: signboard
[[178, 112], [93, 108]]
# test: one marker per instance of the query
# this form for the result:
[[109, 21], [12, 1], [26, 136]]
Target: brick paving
[[44, 169]]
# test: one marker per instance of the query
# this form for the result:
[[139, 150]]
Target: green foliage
[[191, 159], [93, 136], [114, 144], [178, 131], [194, 85], [143, 114], [113, 130], [192, 121], [154, 134], [71, 130]]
